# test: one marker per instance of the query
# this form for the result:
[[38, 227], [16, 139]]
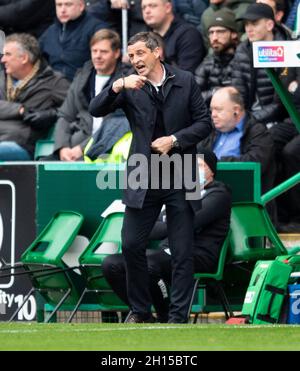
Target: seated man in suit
[[211, 225]]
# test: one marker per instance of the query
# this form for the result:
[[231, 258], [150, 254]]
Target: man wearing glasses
[[215, 71]]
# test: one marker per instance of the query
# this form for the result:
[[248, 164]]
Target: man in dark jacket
[[65, 44], [238, 136], [183, 45], [75, 124], [160, 126], [254, 84], [216, 69], [30, 93], [30, 16], [211, 226]]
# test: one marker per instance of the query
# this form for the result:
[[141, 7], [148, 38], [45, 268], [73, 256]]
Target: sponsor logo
[[270, 54], [8, 300]]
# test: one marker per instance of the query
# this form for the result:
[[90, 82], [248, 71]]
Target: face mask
[[202, 179]]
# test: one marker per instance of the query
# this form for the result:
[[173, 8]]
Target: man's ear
[[156, 52], [270, 24], [237, 109], [25, 58], [117, 53], [169, 7]]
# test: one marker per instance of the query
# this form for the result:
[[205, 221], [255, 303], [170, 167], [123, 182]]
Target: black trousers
[[160, 277], [137, 226]]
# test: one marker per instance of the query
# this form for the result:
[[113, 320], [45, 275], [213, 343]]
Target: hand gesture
[[129, 82]]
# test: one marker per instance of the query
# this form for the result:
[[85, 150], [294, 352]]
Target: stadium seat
[[201, 280], [105, 241], [253, 235], [43, 262], [43, 148]]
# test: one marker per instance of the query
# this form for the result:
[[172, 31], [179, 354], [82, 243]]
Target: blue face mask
[[202, 179]]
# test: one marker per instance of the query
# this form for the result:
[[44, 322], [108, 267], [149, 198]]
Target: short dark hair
[[106, 34], [27, 43], [149, 38]]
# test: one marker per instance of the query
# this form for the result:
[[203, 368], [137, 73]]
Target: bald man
[[238, 137]]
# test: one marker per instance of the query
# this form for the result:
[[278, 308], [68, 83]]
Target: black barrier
[[17, 230]]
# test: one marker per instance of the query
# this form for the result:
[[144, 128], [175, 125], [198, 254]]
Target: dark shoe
[[162, 319], [135, 318], [176, 320]]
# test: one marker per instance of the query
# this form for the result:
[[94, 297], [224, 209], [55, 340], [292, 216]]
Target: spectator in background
[[30, 16], [253, 83], [110, 12], [65, 44], [237, 6], [291, 21], [75, 124], [279, 8], [216, 69], [190, 10], [31, 92], [183, 45], [238, 136]]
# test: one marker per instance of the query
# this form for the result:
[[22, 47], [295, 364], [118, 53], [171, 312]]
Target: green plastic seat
[[201, 280], [43, 261], [43, 147], [253, 235], [105, 241]]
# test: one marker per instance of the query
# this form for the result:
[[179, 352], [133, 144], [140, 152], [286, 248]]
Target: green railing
[[285, 97], [281, 188]]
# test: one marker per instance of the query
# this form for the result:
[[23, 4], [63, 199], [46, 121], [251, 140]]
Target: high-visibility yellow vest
[[118, 154]]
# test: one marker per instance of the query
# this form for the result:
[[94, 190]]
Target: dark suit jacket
[[184, 114]]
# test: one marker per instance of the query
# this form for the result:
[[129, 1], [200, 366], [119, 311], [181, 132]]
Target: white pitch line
[[73, 329], [109, 329]]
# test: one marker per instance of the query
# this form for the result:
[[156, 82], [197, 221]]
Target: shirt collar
[[240, 125], [163, 78]]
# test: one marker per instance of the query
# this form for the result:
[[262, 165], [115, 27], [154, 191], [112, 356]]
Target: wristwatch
[[175, 143]]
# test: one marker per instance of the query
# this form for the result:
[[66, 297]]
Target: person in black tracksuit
[[211, 225]]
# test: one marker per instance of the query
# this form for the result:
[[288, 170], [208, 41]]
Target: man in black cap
[[211, 225], [254, 83], [216, 69]]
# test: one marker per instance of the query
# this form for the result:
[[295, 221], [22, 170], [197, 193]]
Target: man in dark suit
[[167, 117], [211, 226]]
